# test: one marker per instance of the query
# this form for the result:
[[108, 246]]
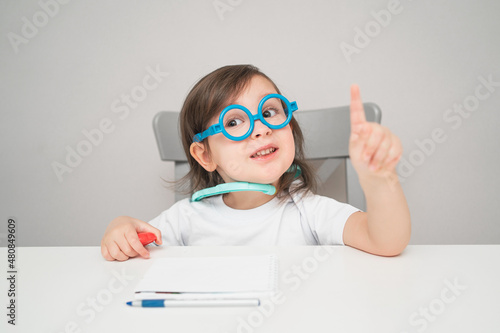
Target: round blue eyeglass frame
[[219, 127]]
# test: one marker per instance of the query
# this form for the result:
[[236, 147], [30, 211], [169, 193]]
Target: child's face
[[238, 160]]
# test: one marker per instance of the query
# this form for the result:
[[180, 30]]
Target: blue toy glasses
[[236, 122]]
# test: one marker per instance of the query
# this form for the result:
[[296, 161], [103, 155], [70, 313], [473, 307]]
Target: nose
[[259, 129]]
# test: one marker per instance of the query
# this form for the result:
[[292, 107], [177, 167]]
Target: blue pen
[[166, 303]]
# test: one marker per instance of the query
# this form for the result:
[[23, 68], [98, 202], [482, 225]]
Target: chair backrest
[[326, 134]]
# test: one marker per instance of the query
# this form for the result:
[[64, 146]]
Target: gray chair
[[326, 134]]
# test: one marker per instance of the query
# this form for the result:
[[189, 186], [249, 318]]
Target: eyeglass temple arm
[[214, 129]]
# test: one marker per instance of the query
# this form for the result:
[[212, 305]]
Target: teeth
[[265, 152]]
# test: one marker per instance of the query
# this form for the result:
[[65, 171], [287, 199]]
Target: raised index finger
[[357, 110]]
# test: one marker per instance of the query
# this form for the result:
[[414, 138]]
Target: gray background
[[70, 74]]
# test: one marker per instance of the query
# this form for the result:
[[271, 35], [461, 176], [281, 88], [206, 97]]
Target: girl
[[238, 132]]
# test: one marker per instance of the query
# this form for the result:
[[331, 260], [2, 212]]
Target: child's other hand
[[121, 242], [374, 150]]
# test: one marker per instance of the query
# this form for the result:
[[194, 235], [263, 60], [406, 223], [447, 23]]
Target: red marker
[[146, 237]]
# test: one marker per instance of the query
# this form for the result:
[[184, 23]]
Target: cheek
[[228, 159], [290, 146], [232, 167]]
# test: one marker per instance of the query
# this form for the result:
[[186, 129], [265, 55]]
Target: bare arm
[[385, 228]]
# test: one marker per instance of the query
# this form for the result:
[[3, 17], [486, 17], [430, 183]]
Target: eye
[[233, 122], [269, 113]]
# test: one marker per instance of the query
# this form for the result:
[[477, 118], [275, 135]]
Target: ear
[[201, 155]]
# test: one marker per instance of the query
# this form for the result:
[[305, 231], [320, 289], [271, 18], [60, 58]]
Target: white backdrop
[[81, 82]]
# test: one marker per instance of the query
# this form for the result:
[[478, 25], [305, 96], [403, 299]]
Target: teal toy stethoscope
[[240, 186]]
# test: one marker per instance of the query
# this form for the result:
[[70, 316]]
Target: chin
[[272, 181]]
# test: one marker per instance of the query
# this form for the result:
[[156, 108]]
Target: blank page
[[246, 275]]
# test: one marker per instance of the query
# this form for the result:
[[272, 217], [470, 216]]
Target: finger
[[141, 226], [381, 154], [133, 239], [358, 142], [116, 253], [356, 109], [373, 143], [125, 247], [395, 154], [105, 253], [391, 164]]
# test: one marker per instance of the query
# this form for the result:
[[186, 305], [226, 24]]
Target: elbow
[[383, 249], [390, 252], [392, 246], [394, 250]]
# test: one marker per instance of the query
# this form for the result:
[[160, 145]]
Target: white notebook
[[232, 277]]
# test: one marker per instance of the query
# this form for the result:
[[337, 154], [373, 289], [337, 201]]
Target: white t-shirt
[[300, 220]]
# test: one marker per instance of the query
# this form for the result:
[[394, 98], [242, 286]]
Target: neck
[[246, 199]]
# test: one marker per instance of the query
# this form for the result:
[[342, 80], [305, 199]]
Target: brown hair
[[207, 99]]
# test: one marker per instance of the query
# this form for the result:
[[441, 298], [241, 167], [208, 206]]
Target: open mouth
[[264, 152]]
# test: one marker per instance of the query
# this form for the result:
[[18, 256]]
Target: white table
[[322, 289]]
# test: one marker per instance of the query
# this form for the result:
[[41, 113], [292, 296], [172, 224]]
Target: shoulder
[[306, 196], [182, 212]]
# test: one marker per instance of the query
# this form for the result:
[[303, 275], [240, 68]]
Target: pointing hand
[[374, 150]]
